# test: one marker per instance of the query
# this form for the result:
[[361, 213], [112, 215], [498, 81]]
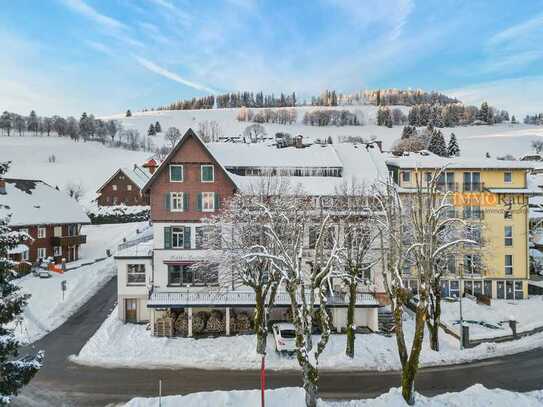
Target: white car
[[285, 337], [44, 273]]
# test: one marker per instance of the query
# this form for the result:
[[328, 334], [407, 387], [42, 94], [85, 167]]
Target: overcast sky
[[68, 56]]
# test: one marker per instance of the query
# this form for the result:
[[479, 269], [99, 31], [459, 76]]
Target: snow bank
[[526, 312], [126, 345], [474, 396]]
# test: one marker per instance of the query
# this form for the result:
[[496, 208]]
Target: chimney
[[151, 165], [2, 186]]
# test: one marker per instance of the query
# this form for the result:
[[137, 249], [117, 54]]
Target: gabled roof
[[33, 202], [136, 174], [189, 133]]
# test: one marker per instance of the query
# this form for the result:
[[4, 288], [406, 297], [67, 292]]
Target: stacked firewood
[[243, 322], [199, 322], [182, 324], [216, 322]]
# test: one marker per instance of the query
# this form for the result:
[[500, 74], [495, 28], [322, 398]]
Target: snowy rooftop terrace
[[160, 299], [429, 160]]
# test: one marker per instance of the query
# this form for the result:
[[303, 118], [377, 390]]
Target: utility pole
[[461, 289]]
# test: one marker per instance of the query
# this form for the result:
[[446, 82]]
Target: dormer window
[[176, 173], [207, 173]]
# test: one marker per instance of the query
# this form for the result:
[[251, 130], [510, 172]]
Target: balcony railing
[[69, 240]]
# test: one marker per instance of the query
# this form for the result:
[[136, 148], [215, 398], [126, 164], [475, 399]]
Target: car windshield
[[288, 333]]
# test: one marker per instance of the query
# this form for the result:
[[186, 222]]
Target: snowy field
[[127, 345], [46, 310], [528, 313], [88, 164], [474, 396], [474, 141]]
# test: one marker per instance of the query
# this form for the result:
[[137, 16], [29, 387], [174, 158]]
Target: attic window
[[176, 173]]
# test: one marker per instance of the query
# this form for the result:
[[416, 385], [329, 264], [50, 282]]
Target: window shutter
[[186, 237], [217, 200], [199, 201], [167, 237], [167, 201], [185, 201]]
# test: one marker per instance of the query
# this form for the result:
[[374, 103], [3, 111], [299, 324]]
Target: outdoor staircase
[[386, 321]]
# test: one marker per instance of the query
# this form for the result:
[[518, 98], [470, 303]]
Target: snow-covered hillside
[[475, 141], [89, 164]]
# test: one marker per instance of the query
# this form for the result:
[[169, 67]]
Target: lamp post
[[460, 293]]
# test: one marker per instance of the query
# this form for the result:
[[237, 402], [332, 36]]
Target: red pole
[[263, 378]]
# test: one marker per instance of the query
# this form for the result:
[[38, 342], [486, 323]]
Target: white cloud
[[98, 46], [151, 66], [519, 96], [79, 6], [519, 30]]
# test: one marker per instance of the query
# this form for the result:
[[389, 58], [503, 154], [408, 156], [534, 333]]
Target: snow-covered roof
[[159, 299], [33, 202], [433, 161], [20, 248], [267, 155], [361, 164], [136, 174]]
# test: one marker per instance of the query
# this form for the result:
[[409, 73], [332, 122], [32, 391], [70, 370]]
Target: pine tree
[[453, 149], [32, 124], [15, 372], [484, 113], [5, 123], [437, 144], [151, 131], [158, 129], [128, 113], [513, 120]]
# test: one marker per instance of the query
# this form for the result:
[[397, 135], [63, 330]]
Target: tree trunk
[[409, 371], [311, 387], [349, 350], [260, 323], [433, 326]]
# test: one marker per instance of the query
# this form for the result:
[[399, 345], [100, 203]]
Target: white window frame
[[24, 230], [42, 232], [138, 271], [25, 256], [182, 172], [128, 187], [508, 239], [56, 232], [176, 196], [510, 177], [178, 230], [506, 266], [57, 251], [42, 252], [202, 172], [114, 187], [208, 194]]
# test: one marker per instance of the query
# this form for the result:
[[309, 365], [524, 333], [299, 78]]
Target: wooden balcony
[[69, 240]]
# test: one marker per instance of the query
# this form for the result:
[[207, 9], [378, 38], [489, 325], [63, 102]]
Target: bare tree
[[172, 135], [359, 252], [254, 133], [537, 145], [209, 131], [75, 190]]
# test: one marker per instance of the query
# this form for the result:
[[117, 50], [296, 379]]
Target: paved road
[[62, 383]]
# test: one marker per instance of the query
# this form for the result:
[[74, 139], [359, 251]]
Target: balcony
[[69, 240]]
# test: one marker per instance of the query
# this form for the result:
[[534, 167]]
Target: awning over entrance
[[165, 299]]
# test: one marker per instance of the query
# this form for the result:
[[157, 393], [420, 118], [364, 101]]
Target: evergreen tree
[[487, 155], [408, 132], [32, 123], [151, 131], [513, 119], [484, 113], [14, 371], [128, 113], [453, 149], [158, 129], [5, 123], [437, 144]]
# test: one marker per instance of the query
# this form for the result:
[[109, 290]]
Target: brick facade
[[120, 189], [68, 238], [191, 154]]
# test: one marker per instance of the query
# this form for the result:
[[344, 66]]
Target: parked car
[[285, 337], [44, 273]]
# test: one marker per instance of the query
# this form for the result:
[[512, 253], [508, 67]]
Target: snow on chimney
[[151, 165], [2, 187]]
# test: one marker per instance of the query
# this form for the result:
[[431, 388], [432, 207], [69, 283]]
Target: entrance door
[[131, 310], [500, 290], [71, 254], [509, 291]]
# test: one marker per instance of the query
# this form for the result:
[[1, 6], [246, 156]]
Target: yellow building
[[492, 196]]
